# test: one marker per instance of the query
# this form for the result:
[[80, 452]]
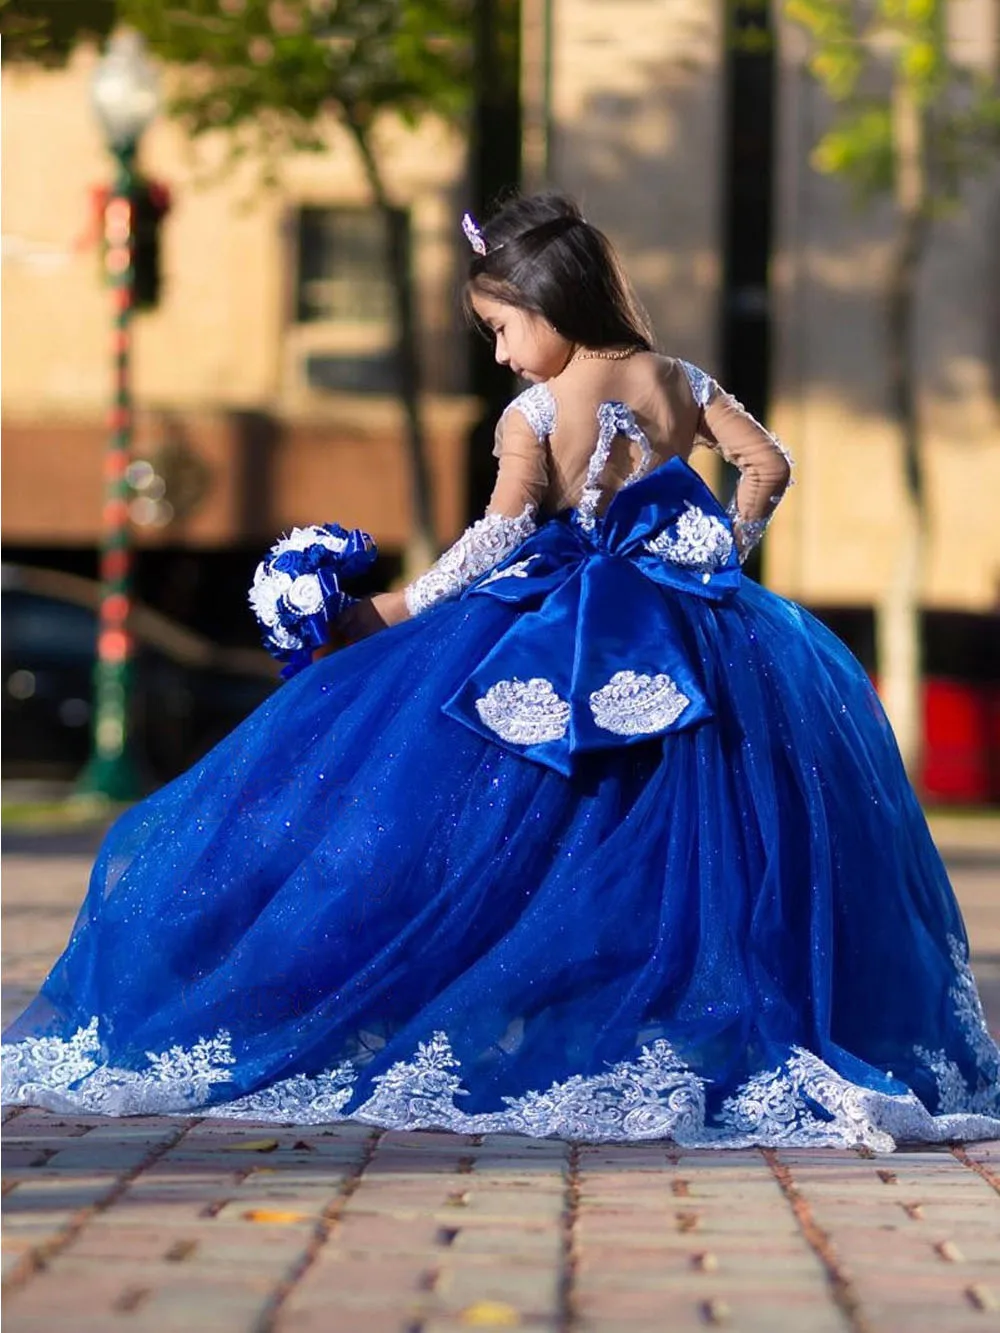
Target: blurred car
[[187, 691]]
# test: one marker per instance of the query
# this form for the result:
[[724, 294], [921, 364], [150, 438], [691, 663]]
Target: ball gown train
[[609, 843]]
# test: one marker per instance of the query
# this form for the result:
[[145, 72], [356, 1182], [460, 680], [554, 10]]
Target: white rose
[[265, 594], [305, 596]]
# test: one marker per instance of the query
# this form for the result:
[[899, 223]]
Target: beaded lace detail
[[66, 1074], [493, 537], [480, 548], [538, 407], [747, 531], [703, 386], [524, 712], [953, 1092], [518, 570], [613, 419], [657, 1095], [697, 541], [632, 704]]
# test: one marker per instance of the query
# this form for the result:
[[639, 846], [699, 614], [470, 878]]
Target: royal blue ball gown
[[614, 844]]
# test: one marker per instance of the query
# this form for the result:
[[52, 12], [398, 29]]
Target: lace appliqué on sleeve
[[538, 407], [747, 532], [479, 548], [703, 386]]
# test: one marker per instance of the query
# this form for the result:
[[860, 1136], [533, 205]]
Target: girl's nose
[[501, 355]]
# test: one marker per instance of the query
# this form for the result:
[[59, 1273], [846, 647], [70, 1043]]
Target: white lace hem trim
[[804, 1102]]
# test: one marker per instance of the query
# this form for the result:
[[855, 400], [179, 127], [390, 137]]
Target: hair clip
[[473, 235]]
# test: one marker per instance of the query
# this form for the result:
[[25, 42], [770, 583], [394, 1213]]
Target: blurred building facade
[[263, 379]]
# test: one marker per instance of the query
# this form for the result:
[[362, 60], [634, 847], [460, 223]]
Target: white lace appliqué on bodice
[[518, 570], [613, 419]]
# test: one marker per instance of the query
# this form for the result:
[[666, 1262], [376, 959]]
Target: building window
[[344, 302]]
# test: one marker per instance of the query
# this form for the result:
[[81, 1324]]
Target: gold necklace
[[611, 354]]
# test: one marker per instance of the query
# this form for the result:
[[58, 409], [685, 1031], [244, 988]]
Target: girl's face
[[524, 341]]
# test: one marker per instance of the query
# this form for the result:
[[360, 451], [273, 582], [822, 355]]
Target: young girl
[[597, 839]]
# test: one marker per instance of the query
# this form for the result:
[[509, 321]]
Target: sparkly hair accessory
[[473, 235]]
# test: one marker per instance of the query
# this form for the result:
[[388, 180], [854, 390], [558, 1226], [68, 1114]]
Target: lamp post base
[[112, 778]]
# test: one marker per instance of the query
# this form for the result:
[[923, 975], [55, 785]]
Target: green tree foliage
[[861, 54], [46, 31], [911, 123], [268, 71]]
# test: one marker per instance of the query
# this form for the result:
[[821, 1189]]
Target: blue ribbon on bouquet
[[296, 592]]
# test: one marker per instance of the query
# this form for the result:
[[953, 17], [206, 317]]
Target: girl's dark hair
[[541, 255]]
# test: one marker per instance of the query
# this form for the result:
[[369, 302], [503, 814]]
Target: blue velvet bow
[[600, 656]]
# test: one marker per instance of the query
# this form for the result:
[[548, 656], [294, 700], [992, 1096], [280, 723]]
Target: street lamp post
[[125, 98]]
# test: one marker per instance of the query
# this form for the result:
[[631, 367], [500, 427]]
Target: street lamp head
[[125, 90]]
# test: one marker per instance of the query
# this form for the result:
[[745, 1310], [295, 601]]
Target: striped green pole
[[110, 772]]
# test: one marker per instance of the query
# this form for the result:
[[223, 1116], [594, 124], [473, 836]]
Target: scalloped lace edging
[[803, 1102]]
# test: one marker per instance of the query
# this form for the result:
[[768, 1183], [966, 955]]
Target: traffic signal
[[147, 216]]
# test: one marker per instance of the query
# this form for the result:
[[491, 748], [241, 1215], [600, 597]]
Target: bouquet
[[296, 592]]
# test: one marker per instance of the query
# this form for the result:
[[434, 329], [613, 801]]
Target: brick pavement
[[154, 1225]]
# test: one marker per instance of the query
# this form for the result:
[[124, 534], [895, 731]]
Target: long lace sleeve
[[510, 517], [764, 464]]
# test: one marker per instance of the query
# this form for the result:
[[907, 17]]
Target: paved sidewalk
[[164, 1225]]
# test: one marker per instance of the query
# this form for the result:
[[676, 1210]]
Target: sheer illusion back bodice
[[574, 441], [602, 424]]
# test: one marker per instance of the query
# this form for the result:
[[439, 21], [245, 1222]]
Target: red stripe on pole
[[114, 645], [115, 564], [115, 609], [115, 513]]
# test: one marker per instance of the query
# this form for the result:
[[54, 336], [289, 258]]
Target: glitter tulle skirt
[[357, 907]]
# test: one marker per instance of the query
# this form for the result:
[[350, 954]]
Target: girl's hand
[[334, 642], [362, 620]]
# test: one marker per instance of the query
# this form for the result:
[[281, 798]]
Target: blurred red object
[[961, 761]]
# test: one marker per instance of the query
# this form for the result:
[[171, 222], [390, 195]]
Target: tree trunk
[[421, 549], [897, 624]]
